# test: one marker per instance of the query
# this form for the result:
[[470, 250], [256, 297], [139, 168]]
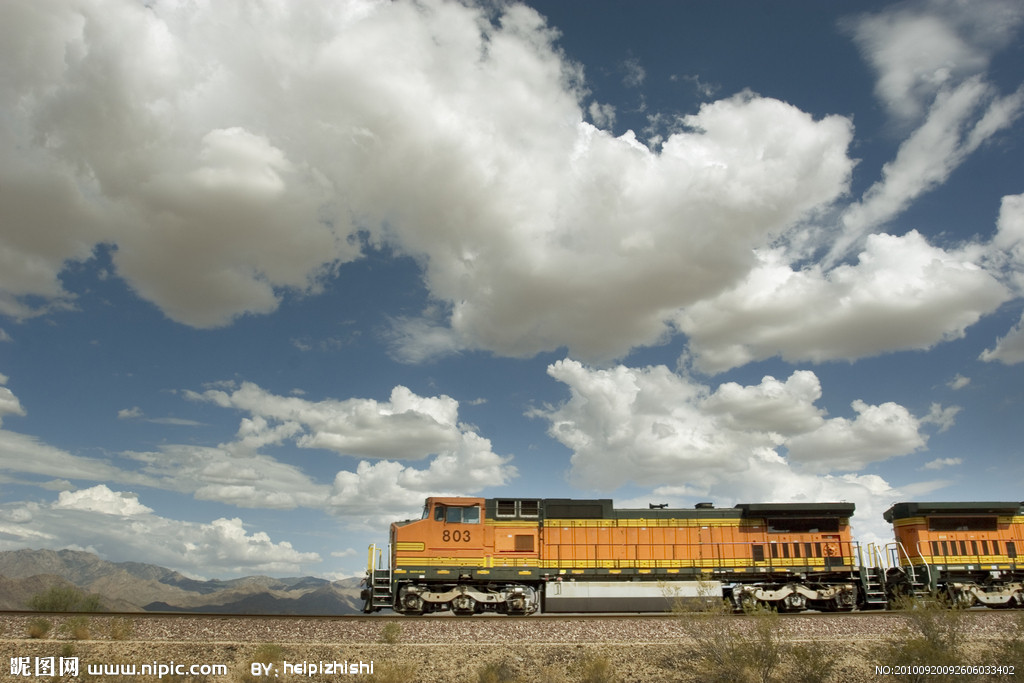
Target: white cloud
[[944, 417], [118, 527], [9, 403], [226, 168], [958, 382], [246, 479], [940, 463], [642, 425], [931, 59], [408, 426], [130, 413], [29, 455], [952, 131], [101, 499], [602, 115], [920, 48], [877, 433], [1007, 257], [902, 294], [1009, 349], [634, 73]]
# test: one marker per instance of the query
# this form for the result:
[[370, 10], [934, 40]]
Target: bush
[[391, 633], [120, 628], [496, 672], [391, 672], [732, 649], [39, 628], [76, 628], [934, 634], [812, 662], [596, 670], [64, 599]]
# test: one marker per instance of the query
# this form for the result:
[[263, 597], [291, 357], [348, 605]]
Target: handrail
[[371, 551], [927, 567]]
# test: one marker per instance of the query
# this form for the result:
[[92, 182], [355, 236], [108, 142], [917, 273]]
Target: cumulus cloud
[[902, 294], [118, 527], [770, 441], [407, 427], [226, 168], [101, 499]]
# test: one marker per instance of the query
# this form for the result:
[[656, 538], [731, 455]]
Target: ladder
[[914, 579], [378, 579], [872, 578]]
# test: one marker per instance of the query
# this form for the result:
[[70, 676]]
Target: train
[[519, 556]]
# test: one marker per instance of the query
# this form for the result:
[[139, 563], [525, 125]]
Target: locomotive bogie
[[796, 597], [466, 600]]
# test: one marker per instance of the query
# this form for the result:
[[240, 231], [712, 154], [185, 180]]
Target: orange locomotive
[[967, 551], [513, 556]]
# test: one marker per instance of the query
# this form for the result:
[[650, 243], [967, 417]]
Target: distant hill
[[134, 586]]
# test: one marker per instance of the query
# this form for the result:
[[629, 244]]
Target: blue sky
[[272, 274]]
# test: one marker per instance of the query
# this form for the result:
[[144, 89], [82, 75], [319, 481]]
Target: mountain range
[[138, 587]]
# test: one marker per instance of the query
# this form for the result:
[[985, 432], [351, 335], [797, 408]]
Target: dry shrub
[[735, 649], [391, 672], [497, 672], [813, 662], [594, 669], [39, 628], [76, 628], [934, 635], [121, 628], [391, 633]]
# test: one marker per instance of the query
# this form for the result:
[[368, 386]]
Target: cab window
[[460, 515]]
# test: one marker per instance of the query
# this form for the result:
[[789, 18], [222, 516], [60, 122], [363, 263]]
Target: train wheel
[[412, 605], [463, 606], [748, 603]]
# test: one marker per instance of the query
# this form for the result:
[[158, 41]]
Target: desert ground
[[688, 647]]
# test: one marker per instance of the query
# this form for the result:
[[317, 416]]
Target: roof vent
[[704, 506]]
